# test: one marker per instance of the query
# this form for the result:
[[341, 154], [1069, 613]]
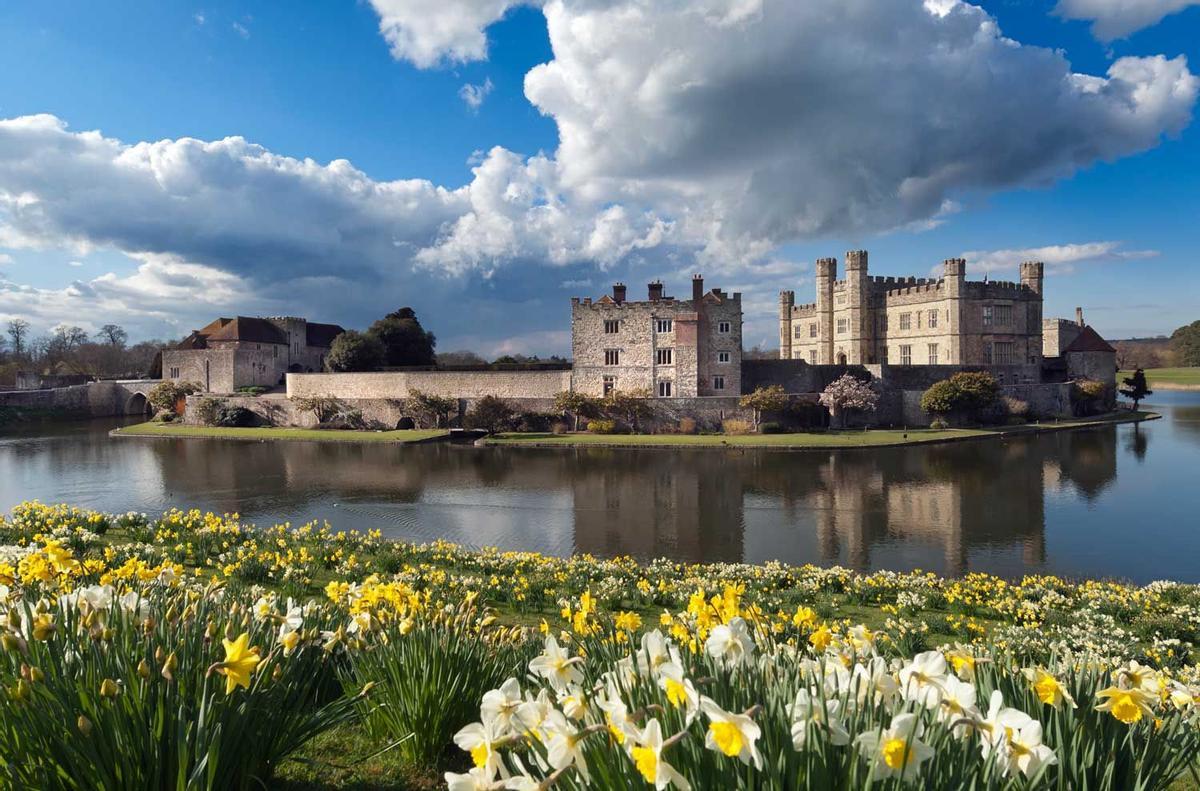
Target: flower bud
[[84, 725], [143, 669], [109, 688]]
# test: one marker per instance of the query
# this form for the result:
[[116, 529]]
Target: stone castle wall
[[469, 385]]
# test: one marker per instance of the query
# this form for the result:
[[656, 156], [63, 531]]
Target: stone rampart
[[467, 385]]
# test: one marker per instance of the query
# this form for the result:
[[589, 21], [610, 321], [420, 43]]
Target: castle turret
[[787, 300], [857, 342], [826, 275], [1032, 273], [955, 278]]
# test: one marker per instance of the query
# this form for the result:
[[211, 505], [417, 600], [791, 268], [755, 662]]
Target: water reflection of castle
[[935, 507]]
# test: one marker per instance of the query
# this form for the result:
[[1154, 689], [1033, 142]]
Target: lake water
[[1119, 501]]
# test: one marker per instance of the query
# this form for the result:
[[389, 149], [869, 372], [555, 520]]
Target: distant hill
[[1144, 352]]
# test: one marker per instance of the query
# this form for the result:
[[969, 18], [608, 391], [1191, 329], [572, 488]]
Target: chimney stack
[[618, 293], [1079, 316], [697, 289], [655, 290]]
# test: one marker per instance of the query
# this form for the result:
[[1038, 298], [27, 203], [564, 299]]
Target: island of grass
[[819, 440], [1168, 378], [264, 433]]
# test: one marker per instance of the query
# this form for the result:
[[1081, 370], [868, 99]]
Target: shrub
[[1088, 396], [430, 408], [765, 399], [233, 416], [206, 410], [687, 425], [252, 390], [734, 426], [166, 395], [1015, 407], [577, 405], [771, 427], [323, 408], [491, 413], [559, 427], [530, 422], [965, 393], [602, 426], [938, 424], [630, 407]]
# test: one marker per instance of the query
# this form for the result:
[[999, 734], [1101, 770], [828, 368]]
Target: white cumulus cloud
[[1060, 258], [473, 95], [432, 32], [1113, 19]]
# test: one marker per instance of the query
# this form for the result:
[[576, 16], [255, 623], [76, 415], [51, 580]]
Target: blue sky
[[722, 140]]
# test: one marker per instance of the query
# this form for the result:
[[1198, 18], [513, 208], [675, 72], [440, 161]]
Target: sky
[[163, 163]]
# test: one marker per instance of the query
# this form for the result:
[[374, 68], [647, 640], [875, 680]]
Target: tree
[[166, 395], [114, 335], [632, 406], [577, 405], [1136, 388], [405, 341], [429, 405], [765, 399], [848, 393], [1185, 343], [461, 357], [323, 408], [355, 351], [18, 335], [491, 413]]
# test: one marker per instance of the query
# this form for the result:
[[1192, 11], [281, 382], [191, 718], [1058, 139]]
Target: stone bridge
[[107, 398]]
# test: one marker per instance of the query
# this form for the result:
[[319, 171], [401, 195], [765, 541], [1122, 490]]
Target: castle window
[[812, 356], [987, 315], [612, 326], [662, 325], [812, 330], [906, 321], [933, 354], [906, 355], [883, 355], [1006, 353], [842, 326], [664, 389], [718, 383], [797, 332], [723, 327], [722, 357], [612, 356], [663, 356], [174, 373], [610, 384], [932, 319], [1004, 315], [988, 356]]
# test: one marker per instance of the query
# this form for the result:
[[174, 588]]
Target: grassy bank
[[274, 433], [425, 631], [817, 440], [1168, 378]]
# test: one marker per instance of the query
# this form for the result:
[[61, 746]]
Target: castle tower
[[787, 299], [954, 279], [826, 275], [858, 337], [1032, 273]]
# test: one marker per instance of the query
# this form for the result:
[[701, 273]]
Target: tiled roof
[[322, 334], [249, 329], [1089, 340]]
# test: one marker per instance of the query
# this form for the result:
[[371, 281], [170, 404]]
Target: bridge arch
[[138, 404]]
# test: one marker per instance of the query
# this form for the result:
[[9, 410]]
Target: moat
[[1117, 501]]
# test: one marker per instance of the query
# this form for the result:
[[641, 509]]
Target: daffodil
[[922, 679], [1127, 705], [1048, 689], [730, 643], [810, 712], [734, 735], [647, 757], [241, 659], [897, 751], [556, 665], [480, 741]]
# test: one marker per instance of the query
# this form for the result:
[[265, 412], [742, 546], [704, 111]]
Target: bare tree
[[18, 333], [113, 334]]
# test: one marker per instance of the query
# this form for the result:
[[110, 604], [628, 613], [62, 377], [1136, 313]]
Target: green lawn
[[1187, 377], [810, 440], [272, 433]]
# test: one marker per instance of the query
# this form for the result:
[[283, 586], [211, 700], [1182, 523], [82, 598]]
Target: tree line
[[69, 349]]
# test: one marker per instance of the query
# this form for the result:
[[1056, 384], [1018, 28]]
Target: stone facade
[[672, 348], [914, 321], [451, 384], [245, 351]]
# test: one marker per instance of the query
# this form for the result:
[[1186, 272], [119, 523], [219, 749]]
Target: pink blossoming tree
[[848, 393]]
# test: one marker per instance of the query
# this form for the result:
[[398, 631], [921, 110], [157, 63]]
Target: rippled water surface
[[1116, 501]]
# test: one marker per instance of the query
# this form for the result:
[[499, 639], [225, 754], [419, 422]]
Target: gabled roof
[[197, 340], [1089, 340], [322, 334], [249, 329]]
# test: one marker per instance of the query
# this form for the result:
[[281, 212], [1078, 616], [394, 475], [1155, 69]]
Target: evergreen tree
[[1135, 387], [405, 341]]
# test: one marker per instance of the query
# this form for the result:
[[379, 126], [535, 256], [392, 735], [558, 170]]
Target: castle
[[864, 320], [246, 351], [671, 348]]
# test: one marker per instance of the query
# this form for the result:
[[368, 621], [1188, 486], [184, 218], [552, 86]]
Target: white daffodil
[[681, 692], [873, 681], [1022, 749], [97, 597], [564, 745], [730, 643], [500, 705], [957, 706], [809, 712], [921, 679], [731, 734], [656, 651], [477, 779], [571, 702], [263, 608], [897, 751], [1134, 675], [133, 603], [167, 576], [616, 715], [556, 665], [481, 741], [995, 727], [647, 757], [1181, 696], [359, 622], [862, 640], [293, 618], [531, 715]]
